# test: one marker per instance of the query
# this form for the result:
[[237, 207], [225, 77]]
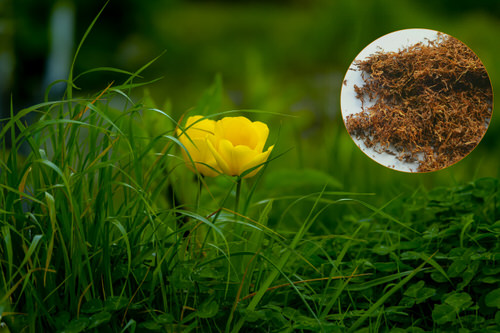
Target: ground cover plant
[[104, 226]]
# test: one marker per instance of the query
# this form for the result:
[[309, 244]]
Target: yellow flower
[[237, 145], [195, 138]]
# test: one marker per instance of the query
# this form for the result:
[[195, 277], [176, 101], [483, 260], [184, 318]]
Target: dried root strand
[[432, 102]]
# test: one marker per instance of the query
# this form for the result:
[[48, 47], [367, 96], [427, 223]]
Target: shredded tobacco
[[431, 103]]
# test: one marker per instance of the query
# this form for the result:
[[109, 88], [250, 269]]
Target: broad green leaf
[[425, 293], [151, 325], [413, 290], [306, 323], [62, 319], [115, 303], [382, 249], [468, 275], [487, 270], [459, 301], [254, 315], [484, 187], [438, 277], [130, 327], [432, 232], [208, 309], [99, 319], [76, 326], [165, 318], [181, 277], [443, 313], [492, 299], [414, 330], [457, 267], [490, 279], [92, 306]]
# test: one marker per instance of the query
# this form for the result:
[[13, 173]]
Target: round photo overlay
[[416, 100]]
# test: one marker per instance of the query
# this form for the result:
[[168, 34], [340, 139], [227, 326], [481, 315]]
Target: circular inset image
[[416, 100]]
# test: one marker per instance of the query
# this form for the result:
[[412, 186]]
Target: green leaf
[[414, 330], [305, 323], [468, 275], [497, 318], [439, 194], [413, 290], [491, 270], [92, 306], [115, 303], [438, 277], [457, 267], [432, 233], [165, 318], [99, 319], [62, 319], [492, 299], [254, 315], [443, 313], [76, 326], [484, 187], [130, 327], [151, 325], [180, 277], [425, 293], [459, 301], [490, 279], [208, 309], [383, 250]]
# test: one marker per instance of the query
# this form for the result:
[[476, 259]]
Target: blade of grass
[[388, 294], [279, 266]]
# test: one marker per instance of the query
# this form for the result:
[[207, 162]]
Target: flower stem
[[237, 227], [238, 192]]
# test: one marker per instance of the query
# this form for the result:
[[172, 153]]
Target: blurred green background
[[285, 56]]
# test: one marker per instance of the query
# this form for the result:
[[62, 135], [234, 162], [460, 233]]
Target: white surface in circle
[[349, 104]]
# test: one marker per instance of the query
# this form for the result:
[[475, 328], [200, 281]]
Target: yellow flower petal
[[197, 127], [238, 130], [263, 132], [204, 161], [257, 160], [221, 163], [194, 139]]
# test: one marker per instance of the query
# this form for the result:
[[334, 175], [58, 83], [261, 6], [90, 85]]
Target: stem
[[238, 228], [198, 193], [238, 192]]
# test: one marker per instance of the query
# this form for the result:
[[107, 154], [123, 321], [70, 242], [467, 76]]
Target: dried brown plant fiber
[[431, 102]]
